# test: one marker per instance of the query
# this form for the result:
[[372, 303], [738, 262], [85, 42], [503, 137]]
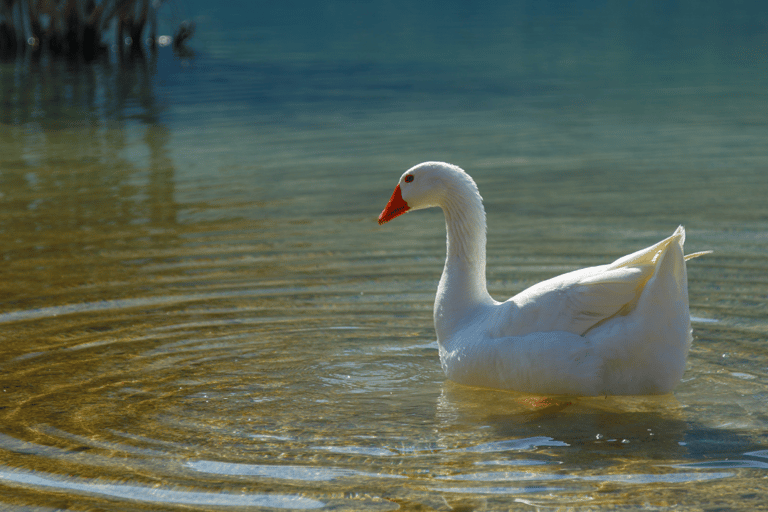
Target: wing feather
[[577, 301]]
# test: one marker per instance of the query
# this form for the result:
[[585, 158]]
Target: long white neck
[[462, 286]]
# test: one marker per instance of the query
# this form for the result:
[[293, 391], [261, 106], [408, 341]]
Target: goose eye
[[409, 178]]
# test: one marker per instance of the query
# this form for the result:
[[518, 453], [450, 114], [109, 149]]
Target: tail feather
[[696, 255], [649, 255]]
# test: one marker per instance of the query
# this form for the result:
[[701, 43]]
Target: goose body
[[617, 329]]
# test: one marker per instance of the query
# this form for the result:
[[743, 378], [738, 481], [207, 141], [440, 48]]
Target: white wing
[[577, 301]]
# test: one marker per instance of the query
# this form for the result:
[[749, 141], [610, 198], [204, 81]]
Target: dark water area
[[199, 310]]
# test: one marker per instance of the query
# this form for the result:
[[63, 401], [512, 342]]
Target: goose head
[[427, 185]]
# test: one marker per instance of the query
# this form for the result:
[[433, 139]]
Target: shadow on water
[[648, 428]]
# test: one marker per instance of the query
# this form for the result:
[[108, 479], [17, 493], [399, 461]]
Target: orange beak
[[396, 206]]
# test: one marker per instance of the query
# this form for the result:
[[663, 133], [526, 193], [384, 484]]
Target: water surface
[[200, 310]]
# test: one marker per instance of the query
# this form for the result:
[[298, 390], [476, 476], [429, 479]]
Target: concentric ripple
[[233, 384], [198, 309]]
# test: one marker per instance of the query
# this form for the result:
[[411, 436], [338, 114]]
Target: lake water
[[199, 309]]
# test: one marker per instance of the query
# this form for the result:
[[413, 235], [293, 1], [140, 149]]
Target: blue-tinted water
[[199, 308]]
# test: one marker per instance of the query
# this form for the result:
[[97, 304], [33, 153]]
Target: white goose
[[617, 329]]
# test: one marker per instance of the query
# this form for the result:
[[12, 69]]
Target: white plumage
[[621, 328]]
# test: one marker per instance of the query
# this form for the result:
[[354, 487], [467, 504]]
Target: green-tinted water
[[200, 310]]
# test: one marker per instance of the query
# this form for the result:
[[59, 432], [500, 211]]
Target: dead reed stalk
[[78, 28]]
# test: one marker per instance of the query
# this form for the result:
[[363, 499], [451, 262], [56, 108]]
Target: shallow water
[[200, 310]]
